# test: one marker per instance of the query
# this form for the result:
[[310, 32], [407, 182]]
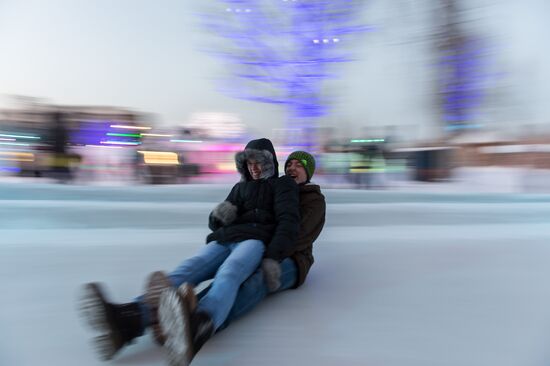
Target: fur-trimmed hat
[[307, 160], [262, 151]]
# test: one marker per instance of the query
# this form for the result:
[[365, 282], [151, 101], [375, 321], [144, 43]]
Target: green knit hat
[[307, 160]]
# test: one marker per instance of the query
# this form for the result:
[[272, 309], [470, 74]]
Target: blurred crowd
[[70, 147], [85, 147]]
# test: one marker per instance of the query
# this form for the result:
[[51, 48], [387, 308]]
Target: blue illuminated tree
[[281, 51], [462, 69]]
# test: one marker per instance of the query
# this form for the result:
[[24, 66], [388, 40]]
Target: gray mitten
[[226, 212], [272, 274]]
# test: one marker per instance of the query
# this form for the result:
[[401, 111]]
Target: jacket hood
[[262, 151]]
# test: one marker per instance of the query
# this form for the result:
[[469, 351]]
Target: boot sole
[[92, 310], [174, 318], [156, 284]]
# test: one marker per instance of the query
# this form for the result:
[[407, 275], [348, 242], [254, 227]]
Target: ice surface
[[399, 279]]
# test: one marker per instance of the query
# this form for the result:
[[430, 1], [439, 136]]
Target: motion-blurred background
[[384, 93]]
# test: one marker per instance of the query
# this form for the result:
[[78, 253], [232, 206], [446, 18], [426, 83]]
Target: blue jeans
[[229, 264], [254, 290]]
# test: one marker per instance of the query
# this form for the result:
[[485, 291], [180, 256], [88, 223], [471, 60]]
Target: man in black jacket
[[178, 316], [258, 219]]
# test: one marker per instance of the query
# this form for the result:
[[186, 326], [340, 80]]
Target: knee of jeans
[[233, 270], [257, 246], [188, 264]]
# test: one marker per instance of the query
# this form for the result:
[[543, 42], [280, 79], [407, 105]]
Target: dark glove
[[272, 274], [226, 212]]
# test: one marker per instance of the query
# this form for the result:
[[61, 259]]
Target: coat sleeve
[[287, 215], [312, 222], [213, 223]]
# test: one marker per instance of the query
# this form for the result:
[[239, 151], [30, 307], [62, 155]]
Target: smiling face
[[296, 170], [254, 168]]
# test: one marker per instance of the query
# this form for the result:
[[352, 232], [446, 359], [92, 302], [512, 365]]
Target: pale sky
[[143, 54]]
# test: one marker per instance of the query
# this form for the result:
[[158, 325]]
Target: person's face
[[296, 170], [254, 168]]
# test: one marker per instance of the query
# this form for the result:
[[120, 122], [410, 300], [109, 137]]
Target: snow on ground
[[401, 278]]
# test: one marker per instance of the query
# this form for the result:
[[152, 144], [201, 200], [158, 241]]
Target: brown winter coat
[[312, 213]]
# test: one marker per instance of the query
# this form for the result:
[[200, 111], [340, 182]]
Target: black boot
[[118, 324], [186, 330], [202, 328]]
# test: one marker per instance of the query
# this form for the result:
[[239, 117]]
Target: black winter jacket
[[267, 208]]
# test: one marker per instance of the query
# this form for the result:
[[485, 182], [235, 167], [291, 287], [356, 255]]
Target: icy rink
[[400, 279]]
